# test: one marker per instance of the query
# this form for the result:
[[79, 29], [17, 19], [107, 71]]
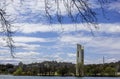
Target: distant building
[[80, 60]]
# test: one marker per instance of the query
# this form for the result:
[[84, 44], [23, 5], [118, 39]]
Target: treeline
[[47, 68], [107, 69], [53, 68]]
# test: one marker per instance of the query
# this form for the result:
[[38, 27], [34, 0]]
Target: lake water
[[44, 77]]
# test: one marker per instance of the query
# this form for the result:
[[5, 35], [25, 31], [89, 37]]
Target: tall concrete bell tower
[[80, 60]]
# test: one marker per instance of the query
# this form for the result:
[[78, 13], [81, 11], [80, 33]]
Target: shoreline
[[55, 75]]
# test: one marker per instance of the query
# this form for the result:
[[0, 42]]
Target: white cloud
[[71, 54], [27, 54], [94, 4], [101, 45], [4, 52], [28, 9], [38, 5], [109, 28], [25, 60], [70, 39], [21, 43], [27, 46], [28, 28], [105, 45], [28, 39], [114, 6]]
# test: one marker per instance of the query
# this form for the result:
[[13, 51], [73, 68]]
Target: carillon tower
[[80, 60]]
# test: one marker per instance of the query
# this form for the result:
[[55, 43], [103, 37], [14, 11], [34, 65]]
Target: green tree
[[19, 71], [29, 73], [109, 71], [63, 71]]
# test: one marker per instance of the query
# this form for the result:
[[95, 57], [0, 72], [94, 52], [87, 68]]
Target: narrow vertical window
[[78, 54]]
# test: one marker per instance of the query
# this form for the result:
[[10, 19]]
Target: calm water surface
[[40, 77]]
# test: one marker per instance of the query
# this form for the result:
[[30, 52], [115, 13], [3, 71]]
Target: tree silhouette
[[82, 7], [84, 14], [6, 31]]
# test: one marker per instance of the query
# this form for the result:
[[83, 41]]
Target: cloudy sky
[[37, 40]]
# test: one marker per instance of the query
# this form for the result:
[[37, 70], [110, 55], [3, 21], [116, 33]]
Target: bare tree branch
[[7, 31], [84, 14]]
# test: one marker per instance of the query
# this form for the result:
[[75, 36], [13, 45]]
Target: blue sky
[[36, 40]]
